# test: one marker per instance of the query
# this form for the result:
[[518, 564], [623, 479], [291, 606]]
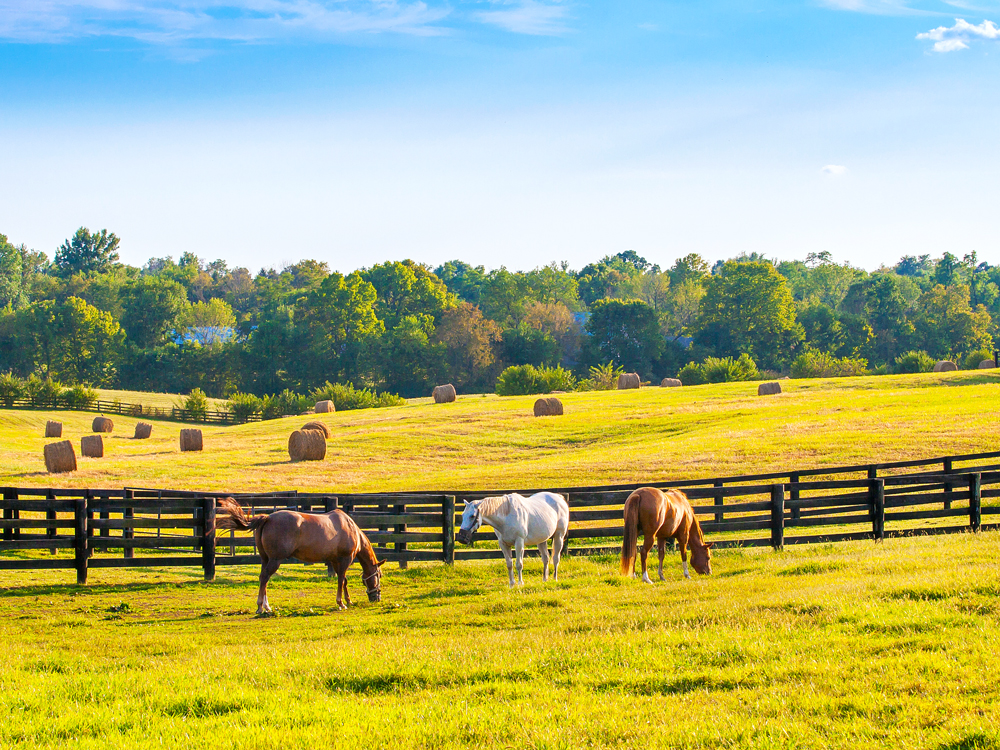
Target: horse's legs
[[346, 564], [647, 545], [661, 547], [505, 548], [267, 569], [519, 550], [557, 544], [543, 548], [682, 541], [341, 582]]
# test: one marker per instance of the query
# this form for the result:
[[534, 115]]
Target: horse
[[331, 537], [661, 516], [519, 521]]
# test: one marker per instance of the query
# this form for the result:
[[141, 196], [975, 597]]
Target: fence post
[[81, 540], [975, 501], [208, 537], [196, 516], [719, 512], [399, 529], [778, 516], [877, 494], [50, 515], [448, 529], [948, 486], [872, 472], [90, 527], [793, 496], [129, 532], [9, 493]]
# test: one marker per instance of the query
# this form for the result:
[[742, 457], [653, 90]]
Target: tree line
[[86, 318]]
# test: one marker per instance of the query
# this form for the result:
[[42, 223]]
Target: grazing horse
[[519, 521], [662, 516], [331, 537]]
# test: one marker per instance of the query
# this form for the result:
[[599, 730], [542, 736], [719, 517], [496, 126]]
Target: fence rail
[[137, 527], [172, 413]]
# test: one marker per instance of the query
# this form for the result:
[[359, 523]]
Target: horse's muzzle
[[464, 536], [374, 596]]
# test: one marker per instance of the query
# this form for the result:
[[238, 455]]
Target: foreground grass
[[849, 646], [489, 442]]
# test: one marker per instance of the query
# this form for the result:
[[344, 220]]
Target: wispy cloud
[[952, 38], [833, 170], [527, 16]]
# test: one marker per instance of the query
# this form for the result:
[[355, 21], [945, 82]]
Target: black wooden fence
[[173, 413], [135, 527]]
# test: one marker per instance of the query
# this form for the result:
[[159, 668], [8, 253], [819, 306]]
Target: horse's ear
[[709, 545], [381, 563]]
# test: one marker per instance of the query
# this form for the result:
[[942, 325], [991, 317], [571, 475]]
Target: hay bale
[[548, 407], [92, 446], [628, 380], [670, 383], [987, 364], [191, 440], [318, 426], [768, 389], [142, 431], [307, 445], [59, 457], [443, 394], [103, 424], [53, 429], [945, 365], [325, 407]]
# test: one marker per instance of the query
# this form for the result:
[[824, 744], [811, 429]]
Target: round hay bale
[[92, 446], [103, 424], [142, 431], [191, 440], [307, 445], [324, 407], [628, 380], [443, 394], [768, 389], [318, 426], [548, 407], [945, 365], [53, 429], [670, 383], [59, 457], [987, 364]]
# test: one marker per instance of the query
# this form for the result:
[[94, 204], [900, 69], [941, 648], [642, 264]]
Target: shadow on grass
[[679, 686], [974, 741], [72, 589], [394, 682]]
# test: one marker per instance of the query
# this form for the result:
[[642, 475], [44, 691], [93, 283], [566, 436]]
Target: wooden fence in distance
[[172, 413]]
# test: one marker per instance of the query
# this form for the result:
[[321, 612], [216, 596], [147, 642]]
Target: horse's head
[[373, 582], [472, 519], [701, 558]]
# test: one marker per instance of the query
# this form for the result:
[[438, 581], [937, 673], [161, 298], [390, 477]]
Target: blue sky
[[502, 132]]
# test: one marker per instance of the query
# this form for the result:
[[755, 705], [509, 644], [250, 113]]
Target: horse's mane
[[489, 506]]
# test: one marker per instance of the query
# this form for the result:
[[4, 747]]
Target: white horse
[[519, 521]]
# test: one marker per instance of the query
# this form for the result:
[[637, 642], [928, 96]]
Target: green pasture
[[161, 400], [488, 442], [855, 645]]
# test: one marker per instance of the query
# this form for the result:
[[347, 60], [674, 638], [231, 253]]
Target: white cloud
[[527, 17], [950, 39], [834, 170]]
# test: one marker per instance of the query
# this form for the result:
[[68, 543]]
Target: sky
[[502, 132]]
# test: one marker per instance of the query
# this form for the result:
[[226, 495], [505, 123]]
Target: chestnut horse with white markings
[[663, 515], [332, 538]]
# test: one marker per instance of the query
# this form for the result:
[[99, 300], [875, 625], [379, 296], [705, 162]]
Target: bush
[[280, 404], [11, 389], [913, 361], [42, 392], [972, 359], [243, 406], [346, 397], [816, 364], [79, 397], [719, 370], [196, 403], [602, 378], [523, 380]]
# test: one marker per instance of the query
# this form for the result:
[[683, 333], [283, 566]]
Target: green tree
[[407, 356], [602, 279], [947, 326], [947, 270], [151, 309], [504, 297], [407, 289], [553, 284], [12, 292], [692, 267], [625, 332], [87, 253], [462, 279], [879, 300], [469, 340]]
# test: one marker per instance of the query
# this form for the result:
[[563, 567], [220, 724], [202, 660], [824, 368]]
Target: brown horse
[[662, 516], [332, 538]]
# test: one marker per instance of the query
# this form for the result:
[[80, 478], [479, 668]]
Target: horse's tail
[[232, 516], [630, 539]]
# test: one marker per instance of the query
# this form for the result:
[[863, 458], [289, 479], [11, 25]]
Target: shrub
[[42, 392], [719, 370], [346, 397], [280, 404], [523, 380], [11, 389], [602, 378], [972, 359], [79, 397], [913, 361], [816, 364], [243, 406], [196, 403]]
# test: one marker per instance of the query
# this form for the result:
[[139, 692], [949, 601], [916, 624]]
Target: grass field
[[487, 442], [855, 645]]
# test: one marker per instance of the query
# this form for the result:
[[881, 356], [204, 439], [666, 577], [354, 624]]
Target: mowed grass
[[855, 645], [145, 398], [489, 442]]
